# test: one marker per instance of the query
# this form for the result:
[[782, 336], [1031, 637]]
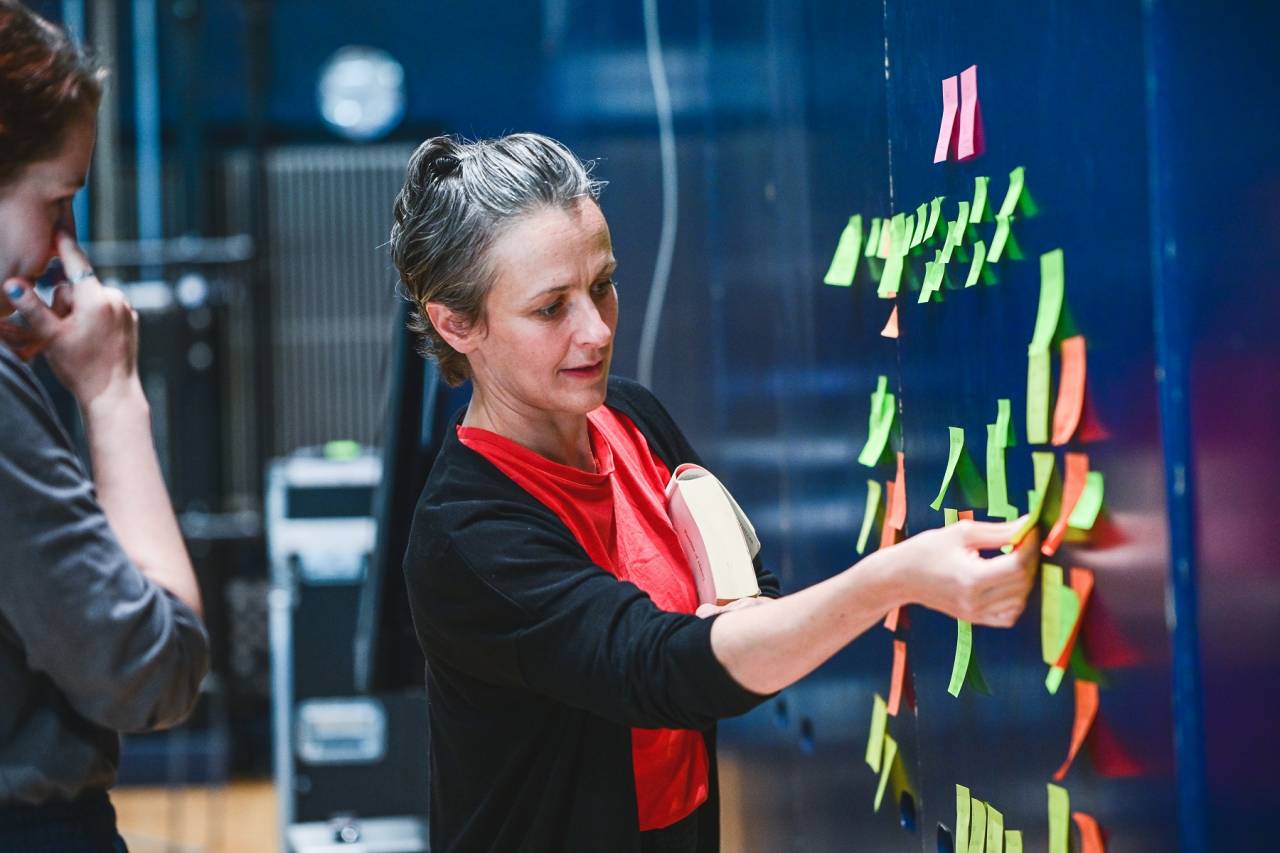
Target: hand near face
[[89, 335], [947, 573]]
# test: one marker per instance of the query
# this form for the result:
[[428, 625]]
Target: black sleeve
[[668, 441], [127, 654], [510, 597]]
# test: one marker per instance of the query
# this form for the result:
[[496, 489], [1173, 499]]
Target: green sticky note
[[845, 261], [1042, 465], [878, 436], [977, 826], [979, 257], [885, 249], [926, 290], [979, 207], [891, 277], [956, 435], [908, 231], [1016, 179], [1082, 669], [1090, 503], [875, 740], [950, 242], [886, 764], [963, 809], [901, 234], [997, 484], [869, 514], [964, 652], [935, 211], [995, 830], [949, 516], [973, 678], [1059, 819], [873, 237], [1068, 604], [1052, 286], [962, 221], [1004, 422], [1000, 238], [1013, 837], [922, 215], [1038, 379], [1050, 611]]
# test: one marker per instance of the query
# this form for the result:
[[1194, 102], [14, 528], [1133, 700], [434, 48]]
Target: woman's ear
[[456, 330]]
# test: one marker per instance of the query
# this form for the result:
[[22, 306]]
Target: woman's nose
[[593, 331]]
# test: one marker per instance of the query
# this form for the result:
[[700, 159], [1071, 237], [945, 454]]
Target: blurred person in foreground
[[573, 680], [100, 615]]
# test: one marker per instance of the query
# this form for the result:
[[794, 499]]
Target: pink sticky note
[[947, 132], [971, 141]]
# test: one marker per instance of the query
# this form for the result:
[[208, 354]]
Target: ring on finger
[[80, 276]]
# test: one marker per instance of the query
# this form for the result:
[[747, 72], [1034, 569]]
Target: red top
[[619, 516]]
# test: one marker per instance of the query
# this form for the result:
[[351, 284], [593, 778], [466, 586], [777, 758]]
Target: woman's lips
[[590, 371]]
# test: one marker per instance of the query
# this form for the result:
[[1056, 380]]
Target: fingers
[[985, 535], [74, 262], [63, 300], [41, 322], [705, 610]]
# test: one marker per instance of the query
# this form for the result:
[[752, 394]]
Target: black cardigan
[[539, 662]]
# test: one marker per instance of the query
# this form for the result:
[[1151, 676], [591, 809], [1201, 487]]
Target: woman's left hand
[[705, 610]]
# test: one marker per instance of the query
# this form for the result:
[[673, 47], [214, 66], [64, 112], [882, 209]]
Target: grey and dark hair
[[458, 197]]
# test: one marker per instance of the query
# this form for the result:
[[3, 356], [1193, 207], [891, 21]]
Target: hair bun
[[443, 166]]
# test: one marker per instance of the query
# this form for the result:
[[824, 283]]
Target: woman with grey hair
[[573, 681]]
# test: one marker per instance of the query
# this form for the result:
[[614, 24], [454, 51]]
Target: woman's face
[[38, 200], [547, 339]]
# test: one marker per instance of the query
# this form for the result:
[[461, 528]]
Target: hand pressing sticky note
[[964, 651], [995, 830], [898, 679], [977, 826], [979, 207], [1090, 503], [869, 514], [875, 740], [964, 809], [1059, 820], [1052, 288], [845, 261], [886, 765], [956, 437], [1071, 379]]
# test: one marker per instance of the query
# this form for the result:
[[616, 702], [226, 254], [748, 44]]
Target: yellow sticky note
[[963, 809], [886, 764], [873, 237], [1059, 819], [1016, 180], [1013, 841], [1052, 288], [1050, 611], [875, 740], [1038, 370], [1042, 462], [1000, 238], [922, 215], [975, 269], [869, 514], [1090, 503], [949, 516], [978, 827], [964, 651], [956, 437], [995, 830], [979, 206], [935, 211], [1068, 604], [890, 277], [845, 261]]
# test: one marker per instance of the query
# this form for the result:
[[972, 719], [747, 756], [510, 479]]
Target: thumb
[[42, 322], [984, 535]]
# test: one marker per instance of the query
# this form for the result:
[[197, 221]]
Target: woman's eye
[[602, 288], [551, 310]]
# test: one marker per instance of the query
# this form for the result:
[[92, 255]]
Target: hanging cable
[[670, 194]]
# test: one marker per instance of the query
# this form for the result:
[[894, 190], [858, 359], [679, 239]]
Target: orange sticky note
[[1090, 833], [1082, 585], [970, 142], [899, 675], [1086, 712], [965, 513], [1077, 465], [898, 506], [1066, 413], [890, 329], [891, 619], [887, 531], [947, 131]]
